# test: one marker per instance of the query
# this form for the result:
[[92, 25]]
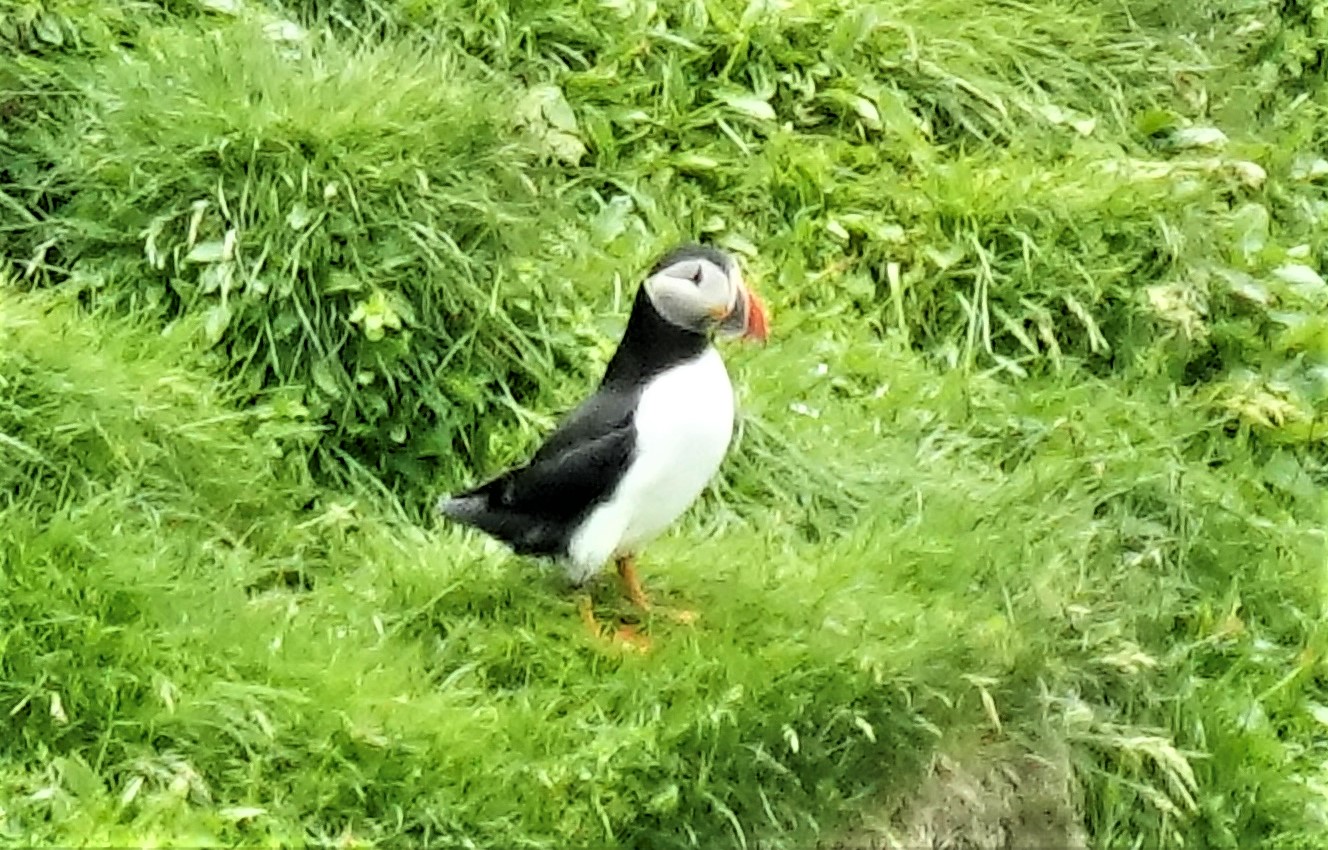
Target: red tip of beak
[[758, 325]]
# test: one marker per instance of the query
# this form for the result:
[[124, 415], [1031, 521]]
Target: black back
[[537, 507]]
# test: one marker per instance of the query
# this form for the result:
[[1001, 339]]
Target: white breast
[[684, 424]]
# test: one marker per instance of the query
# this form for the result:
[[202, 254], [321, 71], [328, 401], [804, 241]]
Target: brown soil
[[996, 798]]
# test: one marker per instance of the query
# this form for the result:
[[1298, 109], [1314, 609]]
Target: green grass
[[1032, 465]]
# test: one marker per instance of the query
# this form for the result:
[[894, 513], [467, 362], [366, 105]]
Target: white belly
[[684, 424]]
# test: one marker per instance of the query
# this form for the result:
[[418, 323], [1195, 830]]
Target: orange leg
[[627, 570], [588, 614]]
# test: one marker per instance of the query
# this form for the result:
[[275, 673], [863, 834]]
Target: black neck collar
[[650, 344]]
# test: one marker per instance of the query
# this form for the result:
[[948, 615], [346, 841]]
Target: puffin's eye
[[696, 276]]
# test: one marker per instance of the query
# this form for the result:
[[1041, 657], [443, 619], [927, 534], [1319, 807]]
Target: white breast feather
[[684, 423]]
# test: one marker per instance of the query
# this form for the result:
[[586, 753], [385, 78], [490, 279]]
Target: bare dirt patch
[[991, 798]]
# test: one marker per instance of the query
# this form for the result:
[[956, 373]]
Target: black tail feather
[[525, 535]]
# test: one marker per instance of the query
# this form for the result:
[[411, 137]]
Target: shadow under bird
[[631, 458]]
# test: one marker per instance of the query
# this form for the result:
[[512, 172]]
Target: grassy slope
[[204, 643]]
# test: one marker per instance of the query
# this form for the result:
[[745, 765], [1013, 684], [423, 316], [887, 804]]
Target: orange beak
[[747, 319], [758, 325]]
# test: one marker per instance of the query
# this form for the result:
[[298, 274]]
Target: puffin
[[630, 459]]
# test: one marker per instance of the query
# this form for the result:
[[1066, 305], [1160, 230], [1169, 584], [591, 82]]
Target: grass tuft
[[328, 236]]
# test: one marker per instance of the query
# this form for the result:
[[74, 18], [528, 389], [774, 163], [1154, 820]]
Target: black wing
[[604, 413], [534, 508]]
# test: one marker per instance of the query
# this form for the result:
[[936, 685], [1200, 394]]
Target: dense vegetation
[[1027, 481]]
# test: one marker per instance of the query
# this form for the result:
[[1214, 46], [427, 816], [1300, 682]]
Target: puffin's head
[[701, 289]]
